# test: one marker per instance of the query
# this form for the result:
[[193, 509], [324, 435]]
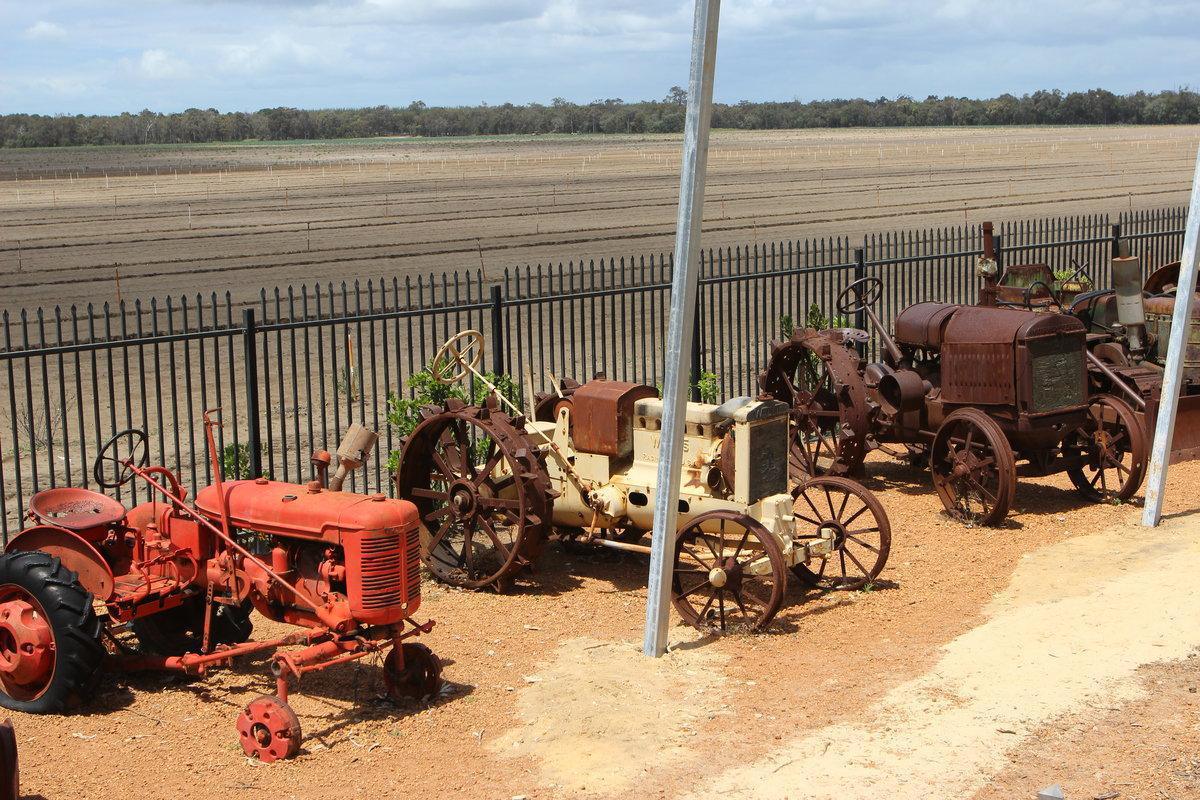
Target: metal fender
[[75, 552]]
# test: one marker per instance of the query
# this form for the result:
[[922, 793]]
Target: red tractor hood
[[290, 509]]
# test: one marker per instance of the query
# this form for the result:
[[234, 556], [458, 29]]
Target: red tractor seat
[[75, 509]]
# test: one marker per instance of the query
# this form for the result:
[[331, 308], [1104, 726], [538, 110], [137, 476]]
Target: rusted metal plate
[[1185, 444], [978, 373], [602, 416], [921, 325], [978, 365]]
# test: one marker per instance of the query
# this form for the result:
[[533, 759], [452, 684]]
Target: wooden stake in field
[[117, 272], [308, 242]]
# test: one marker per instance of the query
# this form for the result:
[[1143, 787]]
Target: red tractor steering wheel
[[110, 453], [864, 291]]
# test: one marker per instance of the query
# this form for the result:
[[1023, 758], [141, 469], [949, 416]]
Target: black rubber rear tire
[[68, 609], [181, 629]]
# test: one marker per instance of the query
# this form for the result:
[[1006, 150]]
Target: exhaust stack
[[1131, 313]]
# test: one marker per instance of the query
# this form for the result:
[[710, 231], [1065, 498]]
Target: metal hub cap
[[26, 644], [463, 499], [834, 531], [717, 577]]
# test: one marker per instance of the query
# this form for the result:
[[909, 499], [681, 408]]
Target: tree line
[[1095, 107]]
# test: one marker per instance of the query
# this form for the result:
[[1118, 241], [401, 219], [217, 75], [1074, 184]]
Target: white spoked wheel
[[458, 357]]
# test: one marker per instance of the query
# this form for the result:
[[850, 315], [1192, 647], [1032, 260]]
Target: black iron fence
[[291, 371]]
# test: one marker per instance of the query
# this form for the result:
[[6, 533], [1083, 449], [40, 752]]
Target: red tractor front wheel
[[269, 729], [50, 648], [412, 672]]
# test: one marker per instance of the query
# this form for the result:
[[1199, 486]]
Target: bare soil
[[549, 698], [86, 225]]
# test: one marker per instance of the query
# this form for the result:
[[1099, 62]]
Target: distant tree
[[608, 115]]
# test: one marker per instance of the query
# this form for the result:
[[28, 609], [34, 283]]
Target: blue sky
[[100, 57]]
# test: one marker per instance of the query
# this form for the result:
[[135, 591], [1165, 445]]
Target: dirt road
[[987, 662]]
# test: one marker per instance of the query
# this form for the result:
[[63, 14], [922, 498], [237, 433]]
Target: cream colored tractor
[[493, 486]]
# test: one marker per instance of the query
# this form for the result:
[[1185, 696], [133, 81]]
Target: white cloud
[[43, 31], [275, 51], [158, 64], [63, 85]]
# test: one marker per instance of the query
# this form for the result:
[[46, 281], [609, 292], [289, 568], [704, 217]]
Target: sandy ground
[[986, 663], [82, 225]]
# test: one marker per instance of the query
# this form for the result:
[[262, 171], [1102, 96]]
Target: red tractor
[[183, 579]]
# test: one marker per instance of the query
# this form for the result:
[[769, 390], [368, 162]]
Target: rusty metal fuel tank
[[603, 413], [1159, 311], [921, 325]]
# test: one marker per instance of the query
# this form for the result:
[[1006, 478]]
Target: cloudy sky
[[104, 57]]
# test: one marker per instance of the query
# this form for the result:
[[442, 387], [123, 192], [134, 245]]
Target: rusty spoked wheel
[[974, 471], [482, 492], [269, 729], [848, 514], [412, 672], [816, 373], [50, 650], [1111, 448], [729, 573]]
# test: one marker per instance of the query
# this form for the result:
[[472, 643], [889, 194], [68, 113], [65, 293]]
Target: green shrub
[[235, 461], [404, 413]]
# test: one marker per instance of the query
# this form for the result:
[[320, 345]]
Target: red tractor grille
[[413, 567], [380, 574]]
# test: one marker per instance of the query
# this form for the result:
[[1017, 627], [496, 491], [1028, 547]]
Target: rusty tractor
[[88, 577], [1127, 330], [967, 390], [491, 485]]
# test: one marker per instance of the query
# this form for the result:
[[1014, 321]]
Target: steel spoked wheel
[[974, 471], [482, 493], [852, 518], [818, 377], [1111, 446], [269, 729], [412, 672], [729, 573], [50, 649]]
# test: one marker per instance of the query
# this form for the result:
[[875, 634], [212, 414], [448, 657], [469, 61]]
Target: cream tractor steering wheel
[[458, 357]]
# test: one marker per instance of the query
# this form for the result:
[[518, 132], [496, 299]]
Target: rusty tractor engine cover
[[1001, 356], [603, 416]]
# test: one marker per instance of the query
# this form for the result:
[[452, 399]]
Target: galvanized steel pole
[[680, 331], [1164, 431]]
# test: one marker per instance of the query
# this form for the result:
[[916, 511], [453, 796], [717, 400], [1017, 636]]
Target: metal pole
[[250, 352], [1164, 431], [498, 343], [680, 327]]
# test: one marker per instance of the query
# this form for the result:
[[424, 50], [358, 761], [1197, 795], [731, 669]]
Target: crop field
[[91, 225]]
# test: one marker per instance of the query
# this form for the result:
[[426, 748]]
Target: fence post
[[998, 246], [497, 329], [697, 365], [253, 436], [860, 317], [1117, 243]]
